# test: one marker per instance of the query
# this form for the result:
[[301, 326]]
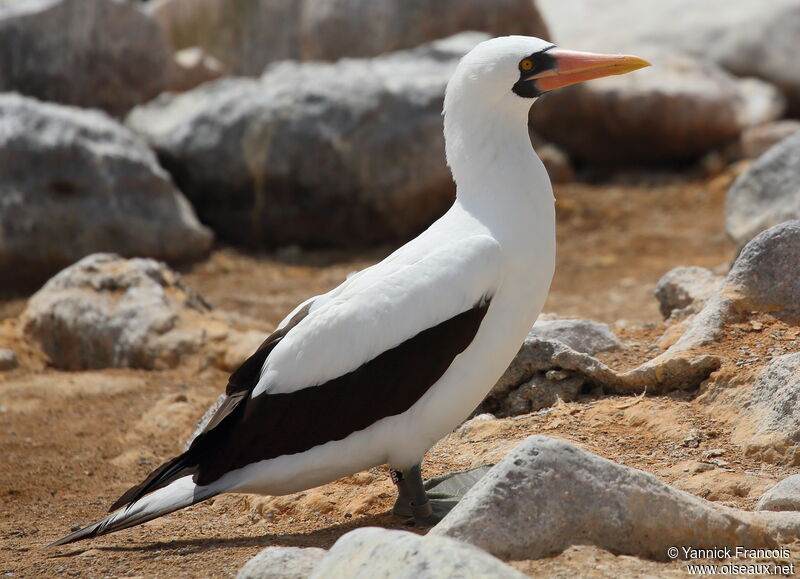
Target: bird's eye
[[526, 65]]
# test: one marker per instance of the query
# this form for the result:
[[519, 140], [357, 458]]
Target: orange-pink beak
[[573, 66]]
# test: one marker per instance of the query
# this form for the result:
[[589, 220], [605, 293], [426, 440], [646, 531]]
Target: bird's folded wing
[[379, 309], [366, 350]]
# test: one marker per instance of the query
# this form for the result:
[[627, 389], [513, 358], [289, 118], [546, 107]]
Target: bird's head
[[518, 69]]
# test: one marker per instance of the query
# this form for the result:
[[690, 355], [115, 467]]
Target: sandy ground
[[70, 443]]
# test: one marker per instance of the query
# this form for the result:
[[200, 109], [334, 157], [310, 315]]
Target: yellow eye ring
[[526, 65]]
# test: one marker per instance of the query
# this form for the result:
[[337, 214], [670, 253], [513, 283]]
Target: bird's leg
[[427, 503], [412, 500]]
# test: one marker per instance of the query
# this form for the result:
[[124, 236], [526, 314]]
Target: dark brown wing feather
[[240, 384], [272, 425]]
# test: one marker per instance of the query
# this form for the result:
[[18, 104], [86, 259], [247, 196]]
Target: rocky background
[[175, 175]]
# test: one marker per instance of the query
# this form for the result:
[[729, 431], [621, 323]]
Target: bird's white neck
[[493, 163]]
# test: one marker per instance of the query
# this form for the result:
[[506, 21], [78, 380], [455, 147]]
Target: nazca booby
[[380, 368]]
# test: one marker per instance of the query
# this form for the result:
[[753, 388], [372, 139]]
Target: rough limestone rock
[[784, 496], [774, 410], [314, 154], [763, 279], [282, 563], [89, 53], [731, 34], [75, 182], [106, 311], [547, 495], [372, 552], [764, 276], [585, 336], [766, 194], [247, 36], [8, 359], [678, 109], [684, 290], [546, 370]]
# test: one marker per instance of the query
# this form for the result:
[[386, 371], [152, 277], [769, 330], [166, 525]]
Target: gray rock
[[546, 370], [372, 552], [282, 563], [755, 141], [775, 398], [314, 154], [538, 392], [75, 182], [684, 290], [784, 496], [547, 495], [89, 53], [106, 311], [731, 34], [583, 336], [8, 359], [246, 36], [678, 109], [766, 194], [764, 277]]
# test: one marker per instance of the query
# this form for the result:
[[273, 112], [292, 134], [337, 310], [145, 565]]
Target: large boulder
[[675, 111], [247, 36], [770, 421], [314, 154], [106, 311], [75, 182], [746, 38], [331, 29], [547, 495], [90, 53], [766, 194]]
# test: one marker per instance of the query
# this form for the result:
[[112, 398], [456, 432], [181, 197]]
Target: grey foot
[[427, 503]]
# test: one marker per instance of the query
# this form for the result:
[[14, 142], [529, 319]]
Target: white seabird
[[380, 368]]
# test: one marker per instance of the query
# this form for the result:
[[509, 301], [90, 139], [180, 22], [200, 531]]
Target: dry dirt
[[70, 443]]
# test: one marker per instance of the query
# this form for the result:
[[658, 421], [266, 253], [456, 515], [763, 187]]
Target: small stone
[[585, 336], [684, 290], [713, 452], [8, 359], [692, 438]]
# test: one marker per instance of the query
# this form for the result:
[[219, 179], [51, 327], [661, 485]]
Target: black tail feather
[[166, 473]]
